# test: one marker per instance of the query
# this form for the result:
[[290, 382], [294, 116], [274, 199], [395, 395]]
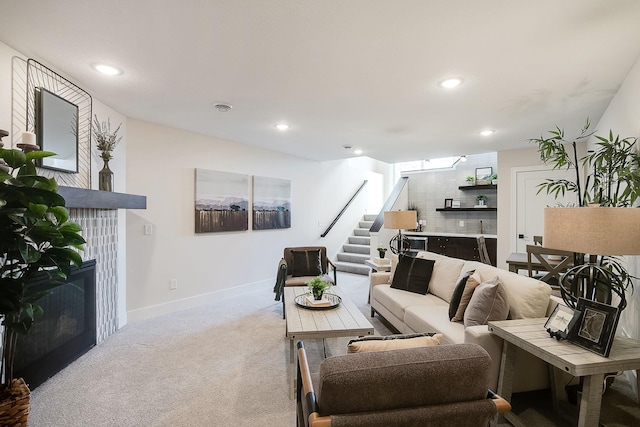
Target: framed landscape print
[[483, 175], [596, 326], [222, 201], [271, 203]]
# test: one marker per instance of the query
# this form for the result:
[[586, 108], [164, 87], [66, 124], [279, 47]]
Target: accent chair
[[438, 386]]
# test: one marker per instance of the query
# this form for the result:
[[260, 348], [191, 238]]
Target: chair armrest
[[502, 405], [335, 274], [305, 391]]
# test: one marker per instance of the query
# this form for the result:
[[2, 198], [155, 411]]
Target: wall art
[[271, 203], [222, 201]]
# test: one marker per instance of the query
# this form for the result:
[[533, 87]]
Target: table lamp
[[596, 231], [398, 220]]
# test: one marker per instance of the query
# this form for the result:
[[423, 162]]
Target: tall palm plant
[[613, 168], [613, 180]]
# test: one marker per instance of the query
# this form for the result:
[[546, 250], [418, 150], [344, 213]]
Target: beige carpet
[[222, 364]]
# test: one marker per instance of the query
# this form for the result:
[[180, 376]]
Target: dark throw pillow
[[306, 263], [413, 274], [457, 293]]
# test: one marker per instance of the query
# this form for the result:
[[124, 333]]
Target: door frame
[[513, 241]]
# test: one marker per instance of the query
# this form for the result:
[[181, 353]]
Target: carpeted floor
[[222, 364]]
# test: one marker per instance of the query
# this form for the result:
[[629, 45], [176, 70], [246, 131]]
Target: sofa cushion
[[434, 319], [457, 293], [396, 301], [393, 342], [412, 274], [528, 297], [446, 271], [489, 302], [472, 283], [306, 263]]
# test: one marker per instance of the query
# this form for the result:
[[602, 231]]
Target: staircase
[[356, 250]]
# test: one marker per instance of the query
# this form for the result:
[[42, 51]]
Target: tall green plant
[[613, 168], [613, 180], [36, 237]]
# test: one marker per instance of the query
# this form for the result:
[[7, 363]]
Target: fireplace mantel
[[95, 199]]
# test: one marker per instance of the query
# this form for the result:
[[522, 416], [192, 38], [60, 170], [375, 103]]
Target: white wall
[[160, 165], [623, 118]]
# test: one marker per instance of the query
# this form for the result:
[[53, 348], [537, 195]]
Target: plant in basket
[[36, 238]]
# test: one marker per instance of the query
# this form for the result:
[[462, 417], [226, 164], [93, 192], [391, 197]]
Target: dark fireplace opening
[[66, 330]]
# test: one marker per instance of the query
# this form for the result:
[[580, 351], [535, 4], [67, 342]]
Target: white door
[[530, 204]]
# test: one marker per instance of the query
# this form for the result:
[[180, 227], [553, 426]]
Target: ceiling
[[360, 73]]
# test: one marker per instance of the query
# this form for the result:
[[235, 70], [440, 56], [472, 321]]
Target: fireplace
[[66, 330]]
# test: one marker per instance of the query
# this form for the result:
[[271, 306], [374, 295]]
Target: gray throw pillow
[[489, 302], [306, 263], [413, 274]]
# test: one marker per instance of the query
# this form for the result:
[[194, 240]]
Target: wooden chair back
[[482, 250], [553, 268]]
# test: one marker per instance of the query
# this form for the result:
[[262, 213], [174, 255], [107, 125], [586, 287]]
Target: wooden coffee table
[[345, 320]]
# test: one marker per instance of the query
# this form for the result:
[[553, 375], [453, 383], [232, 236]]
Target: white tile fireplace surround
[[100, 230], [96, 213]]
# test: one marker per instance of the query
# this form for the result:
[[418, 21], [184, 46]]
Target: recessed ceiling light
[[487, 132], [107, 69], [450, 83], [223, 107], [463, 158], [357, 151], [282, 126]]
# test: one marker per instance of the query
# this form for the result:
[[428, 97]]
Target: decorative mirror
[[57, 129]]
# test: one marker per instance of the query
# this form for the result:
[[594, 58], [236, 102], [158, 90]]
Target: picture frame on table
[[596, 326], [483, 175], [448, 203], [562, 321]]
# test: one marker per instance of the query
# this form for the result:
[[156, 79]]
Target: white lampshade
[[593, 230], [398, 220]]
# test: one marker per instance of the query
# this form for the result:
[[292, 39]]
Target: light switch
[[148, 229]]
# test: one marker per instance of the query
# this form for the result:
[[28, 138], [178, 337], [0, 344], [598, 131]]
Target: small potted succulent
[[470, 180], [481, 199], [317, 286], [494, 179], [382, 251]]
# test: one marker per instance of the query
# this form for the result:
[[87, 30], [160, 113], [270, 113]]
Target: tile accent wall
[[100, 230], [428, 189]]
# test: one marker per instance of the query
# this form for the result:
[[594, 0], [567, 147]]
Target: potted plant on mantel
[[36, 238], [613, 180]]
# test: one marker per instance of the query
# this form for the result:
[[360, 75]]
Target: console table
[[530, 335]]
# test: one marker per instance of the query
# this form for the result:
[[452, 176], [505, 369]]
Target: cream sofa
[[410, 312]]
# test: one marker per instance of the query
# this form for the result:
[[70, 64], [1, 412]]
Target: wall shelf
[[478, 187], [466, 209], [85, 198]]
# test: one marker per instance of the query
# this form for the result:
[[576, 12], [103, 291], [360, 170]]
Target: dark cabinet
[[461, 247]]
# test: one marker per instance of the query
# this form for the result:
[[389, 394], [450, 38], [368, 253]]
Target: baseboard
[[195, 301]]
